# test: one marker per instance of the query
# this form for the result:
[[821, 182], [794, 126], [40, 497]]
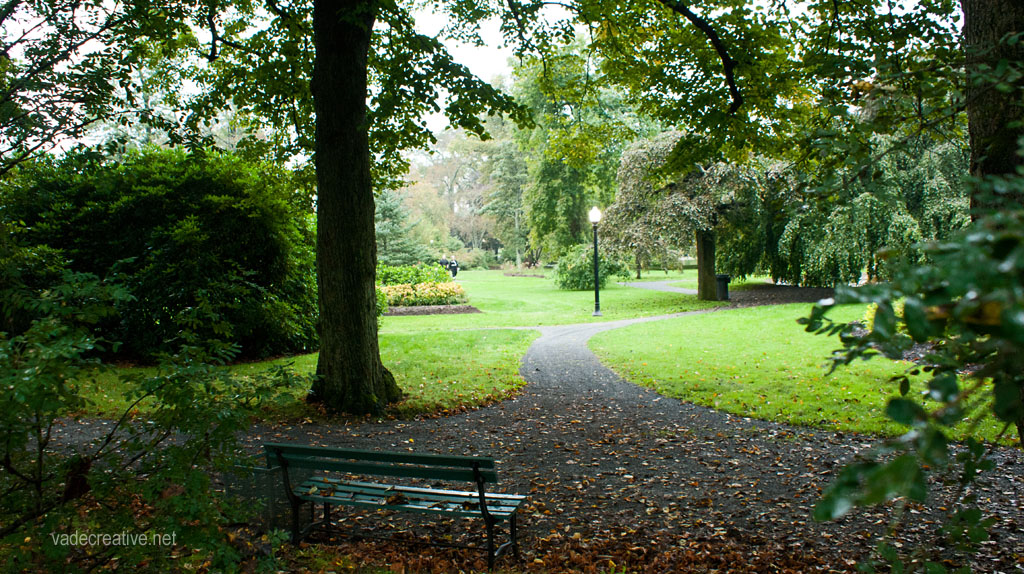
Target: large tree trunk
[[993, 116], [707, 288], [350, 375]]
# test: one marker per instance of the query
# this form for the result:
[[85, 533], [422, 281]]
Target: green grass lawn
[[451, 362], [438, 372], [506, 301], [758, 362], [755, 362]]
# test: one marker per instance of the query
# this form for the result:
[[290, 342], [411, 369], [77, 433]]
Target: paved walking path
[[605, 461], [617, 473]]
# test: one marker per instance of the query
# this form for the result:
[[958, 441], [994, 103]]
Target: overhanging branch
[[728, 64]]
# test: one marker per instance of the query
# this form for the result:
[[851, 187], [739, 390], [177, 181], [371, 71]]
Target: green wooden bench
[[334, 490]]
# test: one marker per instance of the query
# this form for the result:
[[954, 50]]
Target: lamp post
[[595, 217]]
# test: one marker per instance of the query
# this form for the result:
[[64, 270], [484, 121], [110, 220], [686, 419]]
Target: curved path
[[613, 469], [617, 473], [608, 463]]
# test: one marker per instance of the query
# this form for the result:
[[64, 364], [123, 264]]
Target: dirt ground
[[431, 310]]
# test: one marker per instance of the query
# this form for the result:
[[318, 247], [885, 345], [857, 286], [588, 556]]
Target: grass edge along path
[[441, 374], [776, 372]]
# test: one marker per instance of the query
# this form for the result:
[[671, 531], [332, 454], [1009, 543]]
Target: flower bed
[[424, 294]]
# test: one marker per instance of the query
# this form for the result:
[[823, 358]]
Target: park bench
[[333, 484]]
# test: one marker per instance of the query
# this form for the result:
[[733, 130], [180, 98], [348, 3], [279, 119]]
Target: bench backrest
[[368, 462]]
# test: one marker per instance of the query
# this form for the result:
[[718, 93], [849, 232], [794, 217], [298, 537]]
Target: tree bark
[[350, 375], [994, 117], [707, 289]]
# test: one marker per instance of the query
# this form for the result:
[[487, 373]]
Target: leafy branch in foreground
[[140, 476], [966, 307]]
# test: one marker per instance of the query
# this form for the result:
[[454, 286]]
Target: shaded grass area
[[759, 362], [457, 370], [440, 373], [534, 301]]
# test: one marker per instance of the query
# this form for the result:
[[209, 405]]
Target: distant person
[[444, 262], [453, 266]]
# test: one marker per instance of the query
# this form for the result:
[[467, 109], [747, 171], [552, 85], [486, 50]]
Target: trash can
[[722, 282]]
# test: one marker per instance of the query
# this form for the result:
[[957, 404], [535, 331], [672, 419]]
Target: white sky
[[486, 62]]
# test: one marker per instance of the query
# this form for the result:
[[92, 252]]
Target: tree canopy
[[811, 82]]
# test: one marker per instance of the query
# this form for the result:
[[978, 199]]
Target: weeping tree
[[573, 150], [657, 209]]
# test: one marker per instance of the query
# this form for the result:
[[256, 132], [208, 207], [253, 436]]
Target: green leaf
[[944, 387], [1007, 399], [904, 385], [885, 321], [905, 411], [916, 319]]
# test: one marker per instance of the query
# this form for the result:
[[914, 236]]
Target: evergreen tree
[[396, 244]]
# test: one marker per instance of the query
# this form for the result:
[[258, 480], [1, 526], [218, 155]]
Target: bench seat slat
[[386, 490], [352, 485], [410, 507], [375, 496]]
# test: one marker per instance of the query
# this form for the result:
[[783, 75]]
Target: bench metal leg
[[296, 534], [512, 534], [513, 540], [490, 544]]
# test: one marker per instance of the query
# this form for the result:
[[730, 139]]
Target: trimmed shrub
[[478, 259], [412, 274], [575, 270]]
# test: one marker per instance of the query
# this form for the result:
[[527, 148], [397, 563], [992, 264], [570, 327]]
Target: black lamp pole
[[595, 216]]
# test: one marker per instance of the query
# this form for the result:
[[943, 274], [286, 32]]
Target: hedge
[[412, 274]]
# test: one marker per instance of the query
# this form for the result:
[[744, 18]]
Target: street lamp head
[[595, 215]]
